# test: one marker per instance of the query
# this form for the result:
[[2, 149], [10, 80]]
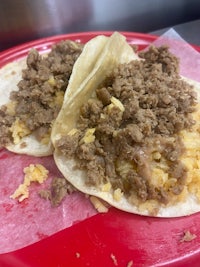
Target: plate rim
[[23, 48]]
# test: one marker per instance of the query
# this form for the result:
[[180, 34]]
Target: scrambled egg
[[11, 107], [117, 103], [19, 130], [46, 138], [33, 173], [160, 169], [89, 136], [191, 157], [57, 100], [117, 195], [98, 204]]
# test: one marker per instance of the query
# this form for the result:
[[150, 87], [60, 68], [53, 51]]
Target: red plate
[[115, 238]]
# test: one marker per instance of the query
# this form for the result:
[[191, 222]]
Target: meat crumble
[[131, 128], [41, 90], [58, 190]]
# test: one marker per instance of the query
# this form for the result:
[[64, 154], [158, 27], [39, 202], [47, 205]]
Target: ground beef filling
[[41, 91], [125, 134]]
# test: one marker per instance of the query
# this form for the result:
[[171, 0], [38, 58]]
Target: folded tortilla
[[10, 75], [115, 52]]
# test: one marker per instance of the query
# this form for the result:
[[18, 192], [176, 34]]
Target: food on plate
[[188, 236], [33, 173], [98, 204], [35, 89], [130, 135], [57, 191], [130, 264], [32, 96]]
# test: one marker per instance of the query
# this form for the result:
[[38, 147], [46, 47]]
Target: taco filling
[[34, 106], [134, 136]]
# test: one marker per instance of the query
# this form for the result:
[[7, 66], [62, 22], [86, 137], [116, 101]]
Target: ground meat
[[68, 144], [5, 123], [90, 113], [161, 56], [41, 89], [157, 105], [103, 95], [59, 189]]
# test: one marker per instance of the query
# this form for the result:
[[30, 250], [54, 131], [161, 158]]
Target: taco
[[32, 93], [131, 134]]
